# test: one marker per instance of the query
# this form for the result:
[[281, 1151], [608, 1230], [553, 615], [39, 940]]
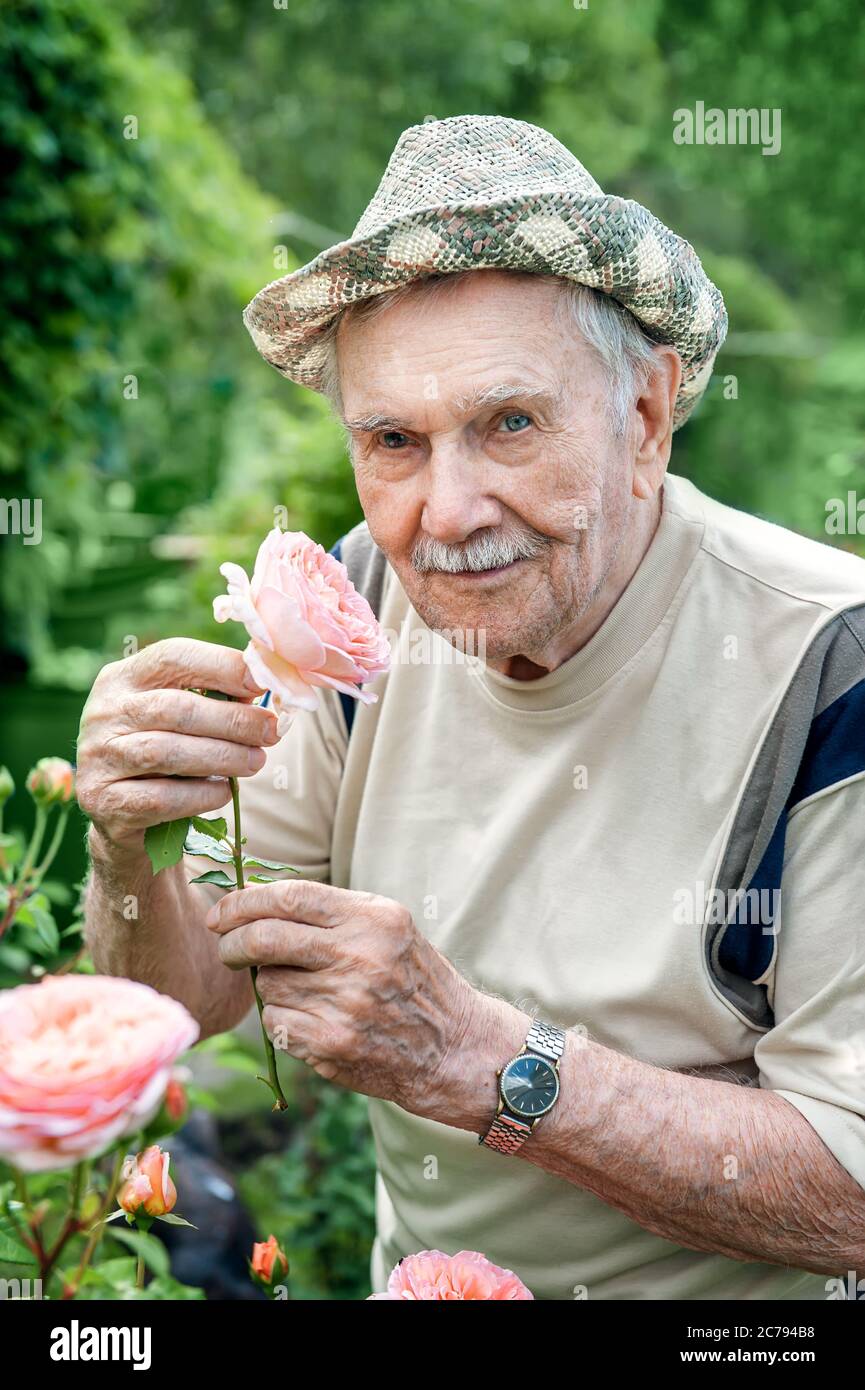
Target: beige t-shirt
[[556, 840]]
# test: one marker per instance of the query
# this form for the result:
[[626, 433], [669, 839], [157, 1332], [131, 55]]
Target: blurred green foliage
[[317, 1189], [163, 161], [164, 164]]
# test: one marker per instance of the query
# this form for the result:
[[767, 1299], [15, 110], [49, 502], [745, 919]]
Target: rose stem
[[35, 843], [72, 1225], [59, 831], [97, 1231], [280, 1102]]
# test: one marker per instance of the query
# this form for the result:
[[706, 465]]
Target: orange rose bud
[[269, 1262], [51, 782], [176, 1100], [146, 1184]]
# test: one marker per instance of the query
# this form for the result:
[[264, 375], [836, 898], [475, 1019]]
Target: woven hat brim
[[611, 244]]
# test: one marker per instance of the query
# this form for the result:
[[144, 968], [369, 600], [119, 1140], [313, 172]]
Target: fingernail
[[257, 759]]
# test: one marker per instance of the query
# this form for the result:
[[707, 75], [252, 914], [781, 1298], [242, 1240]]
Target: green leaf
[[217, 828], [203, 844], [15, 958], [47, 933], [12, 1252], [170, 1219], [217, 876], [168, 1290], [151, 1250], [260, 878], [57, 892], [11, 851], [255, 863], [33, 915], [119, 1270], [164, 843], [115, 1216]]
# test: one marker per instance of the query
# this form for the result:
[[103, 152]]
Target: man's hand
[[351, 987], [148, 746]]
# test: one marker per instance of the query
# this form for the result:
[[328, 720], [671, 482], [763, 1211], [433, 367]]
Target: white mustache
[[486, 550]]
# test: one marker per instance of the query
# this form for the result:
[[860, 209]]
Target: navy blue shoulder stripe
[[749, 940], [834, 751], [836, 746], [345, 700]]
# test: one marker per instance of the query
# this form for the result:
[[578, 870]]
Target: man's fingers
[[272, 941], [177, 755], [141, 802], [299, 1034], [182, 712], [185, 662], [299, 900]]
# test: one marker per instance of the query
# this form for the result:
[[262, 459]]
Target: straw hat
[[471, 192]]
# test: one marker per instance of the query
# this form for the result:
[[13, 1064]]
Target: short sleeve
[[814, 1055], [287, 809]]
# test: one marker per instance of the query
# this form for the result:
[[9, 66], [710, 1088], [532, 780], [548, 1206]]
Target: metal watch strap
[[546, 1039], [507, 1132]]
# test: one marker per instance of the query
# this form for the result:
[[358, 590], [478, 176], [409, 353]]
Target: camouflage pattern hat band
[[472, 192]]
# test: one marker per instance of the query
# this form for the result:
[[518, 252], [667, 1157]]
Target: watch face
[[529, 1086]]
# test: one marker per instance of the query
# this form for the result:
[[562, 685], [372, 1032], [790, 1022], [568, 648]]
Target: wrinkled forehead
[[489, 339]]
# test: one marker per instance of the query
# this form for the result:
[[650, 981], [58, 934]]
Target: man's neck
[[635, 544]]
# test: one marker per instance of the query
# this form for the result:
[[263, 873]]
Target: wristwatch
[[528, 1088]]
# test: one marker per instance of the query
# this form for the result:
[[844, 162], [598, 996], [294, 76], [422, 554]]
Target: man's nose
[[457, 500]]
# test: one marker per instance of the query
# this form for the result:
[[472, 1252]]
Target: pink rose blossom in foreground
[[308, 625], [146, 1183], [433, 1275], [84, 1060]]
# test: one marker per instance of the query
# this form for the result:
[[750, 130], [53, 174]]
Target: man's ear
[[655, 407]]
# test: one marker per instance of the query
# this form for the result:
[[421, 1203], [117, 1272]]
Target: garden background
[[135, 406]]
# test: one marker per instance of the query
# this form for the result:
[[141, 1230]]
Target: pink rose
[[307, 623], [84, 1060], [466, 1275], [146, 1183]]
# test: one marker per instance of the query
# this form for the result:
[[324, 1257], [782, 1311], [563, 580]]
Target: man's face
[[479, 415]]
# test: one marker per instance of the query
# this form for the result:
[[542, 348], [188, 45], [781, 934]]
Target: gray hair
[[607, 326]]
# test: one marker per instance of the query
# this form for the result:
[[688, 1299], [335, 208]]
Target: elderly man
[[582, 914]]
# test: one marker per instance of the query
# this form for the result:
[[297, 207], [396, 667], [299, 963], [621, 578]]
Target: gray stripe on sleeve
[[833, 663]]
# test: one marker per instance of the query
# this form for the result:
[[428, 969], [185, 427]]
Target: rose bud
[[7, 785], [172, 1113], [52, 782], [146, 1184], [176, 1101], [269, 1263]]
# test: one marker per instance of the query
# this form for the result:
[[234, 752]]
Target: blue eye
[[516, 423], [392, 439]]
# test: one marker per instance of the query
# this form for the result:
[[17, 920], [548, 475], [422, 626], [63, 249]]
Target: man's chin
[[477, 620], [474, 635]]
